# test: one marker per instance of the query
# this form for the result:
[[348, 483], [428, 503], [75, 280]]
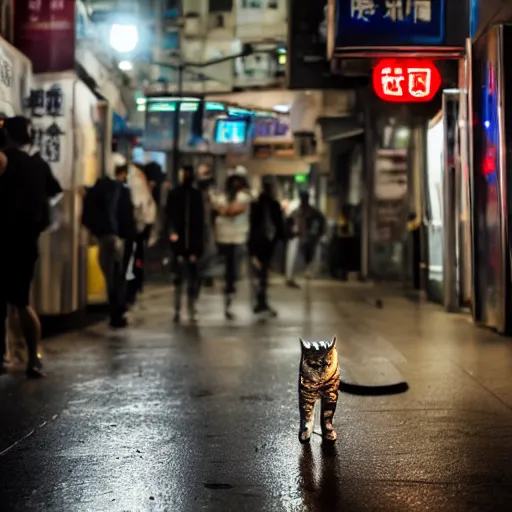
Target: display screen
[[231, 131]]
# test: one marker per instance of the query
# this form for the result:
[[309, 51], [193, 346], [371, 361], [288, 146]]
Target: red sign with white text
[[45, 33], [406, 80]]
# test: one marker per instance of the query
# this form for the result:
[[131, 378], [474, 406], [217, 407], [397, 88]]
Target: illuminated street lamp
[[124, 38]]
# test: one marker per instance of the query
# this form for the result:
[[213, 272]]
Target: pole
[[247, 50], [176, 130], [450, 213]]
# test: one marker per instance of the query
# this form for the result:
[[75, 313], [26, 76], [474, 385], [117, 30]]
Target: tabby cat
[[319, 379]]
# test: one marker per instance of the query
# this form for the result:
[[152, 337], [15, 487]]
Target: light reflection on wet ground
[[204, 417]]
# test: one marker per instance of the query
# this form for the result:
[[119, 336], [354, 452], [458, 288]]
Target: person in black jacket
[[26, 186], [185, 230], [109, 216], [266, 230]]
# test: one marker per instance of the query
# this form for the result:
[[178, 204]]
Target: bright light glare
[[283, 109], [125, 65], [402, 133], [487, 124], [124, 38]]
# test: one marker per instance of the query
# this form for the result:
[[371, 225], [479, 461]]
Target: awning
[[278, 167], [335, 128]]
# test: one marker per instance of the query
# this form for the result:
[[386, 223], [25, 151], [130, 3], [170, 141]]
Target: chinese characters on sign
[[419, 11], [48, 137], [363, 9], [34, 10], [406, 80], [390, 22], [5, 71]]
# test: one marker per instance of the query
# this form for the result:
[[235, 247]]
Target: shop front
[[434, 208], [491, 208]]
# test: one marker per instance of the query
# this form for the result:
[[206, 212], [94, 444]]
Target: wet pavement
[[205, 417]]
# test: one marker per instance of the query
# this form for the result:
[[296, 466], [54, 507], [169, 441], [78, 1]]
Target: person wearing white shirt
[[145, 213], [232, 229], [145, 210]]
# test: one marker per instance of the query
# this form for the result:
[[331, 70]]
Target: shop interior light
[[125, 65], [212, 105], [282, 109], [124, 38]]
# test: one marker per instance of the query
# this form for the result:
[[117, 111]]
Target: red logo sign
[[406, 80]]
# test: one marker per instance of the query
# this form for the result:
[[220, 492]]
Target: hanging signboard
[[45, 33], [406, 80], [362, 28]]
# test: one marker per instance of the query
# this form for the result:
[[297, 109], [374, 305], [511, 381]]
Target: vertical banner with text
[[45, 33]]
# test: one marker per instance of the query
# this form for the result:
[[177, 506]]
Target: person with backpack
[[266, 230], [26, 187], [108, 214]]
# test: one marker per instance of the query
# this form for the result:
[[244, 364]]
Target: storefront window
[[487, 217], [435, 141]]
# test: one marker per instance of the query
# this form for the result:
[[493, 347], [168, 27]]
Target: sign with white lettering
[[399, 24], [391, 22], [406, 80]]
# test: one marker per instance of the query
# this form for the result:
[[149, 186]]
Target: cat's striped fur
[[319, 379]]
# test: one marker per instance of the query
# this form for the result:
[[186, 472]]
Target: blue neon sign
[[473, 23]]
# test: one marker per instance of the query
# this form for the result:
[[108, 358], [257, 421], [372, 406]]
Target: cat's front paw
[[330, 436], [305, 436]]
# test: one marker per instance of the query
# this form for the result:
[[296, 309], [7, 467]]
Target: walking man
[[26, 187], [232, 211], [108, 214], [266, 230], [307, 226], [185, 230]]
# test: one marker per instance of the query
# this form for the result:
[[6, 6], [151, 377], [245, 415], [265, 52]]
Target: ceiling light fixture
[[124, 38]]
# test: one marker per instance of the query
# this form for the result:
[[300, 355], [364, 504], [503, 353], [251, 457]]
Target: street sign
[[406, 80], [367, 28]]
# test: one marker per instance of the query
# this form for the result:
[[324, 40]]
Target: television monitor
[[231, 131]]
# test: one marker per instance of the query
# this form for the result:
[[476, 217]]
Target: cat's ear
[[305, 345]]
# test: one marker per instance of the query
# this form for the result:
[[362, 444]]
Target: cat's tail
[[383, 390]]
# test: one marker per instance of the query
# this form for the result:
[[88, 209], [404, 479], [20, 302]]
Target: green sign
[[301, 178]]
